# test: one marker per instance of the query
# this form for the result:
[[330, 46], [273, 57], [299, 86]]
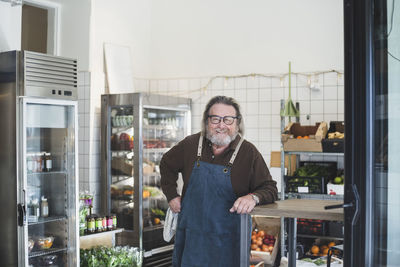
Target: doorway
[[40, 27]]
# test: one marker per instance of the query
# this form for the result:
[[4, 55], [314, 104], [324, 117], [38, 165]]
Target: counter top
[[301, 208]]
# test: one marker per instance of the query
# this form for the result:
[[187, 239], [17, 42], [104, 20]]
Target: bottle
[[48, 162], [35, 209], [44, 208], [43, 162]]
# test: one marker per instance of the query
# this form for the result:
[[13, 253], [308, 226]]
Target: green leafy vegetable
[[110, 257]]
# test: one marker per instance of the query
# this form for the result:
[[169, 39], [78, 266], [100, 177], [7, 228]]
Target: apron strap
[[200, 147], [236, 150]]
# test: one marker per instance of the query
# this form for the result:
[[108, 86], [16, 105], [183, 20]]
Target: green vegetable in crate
[[313, 170]]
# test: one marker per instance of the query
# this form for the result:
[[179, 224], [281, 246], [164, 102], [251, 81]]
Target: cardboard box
[[276, 161], [312, 143], [271, 226]]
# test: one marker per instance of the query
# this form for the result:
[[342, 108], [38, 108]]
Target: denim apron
[[208, 235]]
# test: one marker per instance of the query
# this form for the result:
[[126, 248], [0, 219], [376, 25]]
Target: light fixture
[[13, 2]]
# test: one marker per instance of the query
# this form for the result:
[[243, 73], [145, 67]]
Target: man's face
[[221, 134]]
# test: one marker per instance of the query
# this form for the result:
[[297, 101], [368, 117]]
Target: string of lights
[[310, 76]]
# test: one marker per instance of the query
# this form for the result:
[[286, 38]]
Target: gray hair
[[226, 101]]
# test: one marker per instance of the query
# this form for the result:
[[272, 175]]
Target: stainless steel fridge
[[38, 160], [136, 130]]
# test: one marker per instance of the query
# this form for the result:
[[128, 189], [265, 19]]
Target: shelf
[[153, 228], [156, 150], [97, 235], [313, 153], [46, 173], [47, 220], [320, 237], [46, 252]]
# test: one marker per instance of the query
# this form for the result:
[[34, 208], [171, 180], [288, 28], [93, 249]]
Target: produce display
[[260, 241], [111, 257]]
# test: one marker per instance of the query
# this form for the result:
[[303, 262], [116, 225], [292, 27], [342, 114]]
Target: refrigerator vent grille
[[49, 71]]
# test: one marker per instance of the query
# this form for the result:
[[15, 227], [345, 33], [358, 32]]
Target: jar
[[109, 222], [104, 220], [99, 224], [114, 219], [91, 224]]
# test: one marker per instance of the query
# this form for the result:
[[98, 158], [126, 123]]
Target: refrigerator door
[[49, 185], [137, 129]]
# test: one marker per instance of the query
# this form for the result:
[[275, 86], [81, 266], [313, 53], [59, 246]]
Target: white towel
[[170, 224]]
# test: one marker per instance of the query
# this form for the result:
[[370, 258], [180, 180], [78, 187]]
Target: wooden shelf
[[99, 239]]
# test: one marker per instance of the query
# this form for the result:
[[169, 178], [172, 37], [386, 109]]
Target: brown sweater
[[249, 173]]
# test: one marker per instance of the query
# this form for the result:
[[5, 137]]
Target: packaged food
[[45, 242]]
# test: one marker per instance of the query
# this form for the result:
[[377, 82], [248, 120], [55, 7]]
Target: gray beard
[[221, 141]]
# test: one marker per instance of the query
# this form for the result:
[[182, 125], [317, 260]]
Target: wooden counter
[[292, 209], [301, 208]]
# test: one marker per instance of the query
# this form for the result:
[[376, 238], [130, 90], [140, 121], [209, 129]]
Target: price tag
[[302, 189]]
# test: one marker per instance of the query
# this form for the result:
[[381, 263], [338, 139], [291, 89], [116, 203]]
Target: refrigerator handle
[[21, 212]]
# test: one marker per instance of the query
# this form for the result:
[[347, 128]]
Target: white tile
[[275, 134], [330, 117], [277, 94], [265, 94], [303, 93], [81, 78], [330, 106], [252, 82], [240, 95], [277, 82], [317, 94], [264, 148], [243, 108], [81, 106], [86, 119], [87, 106], [252, 108], [340, 92], [252, 95], [265, 121], [340, 79], [82, 162], [81, 134], [305, 119], [340, 106], [265, 82], [276, 146], [252, 134], [275, 108], [330, 92], [319, 79], [96, 134], [87, 91], [317, 107], [240, 83], [86, 147], [304, 107], [264, 135], [153, 86], [229, 93], [275, 121], [316, 118], [251, 121], [293, 93], [330, 78]]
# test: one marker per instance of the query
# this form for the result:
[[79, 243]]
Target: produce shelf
[[320, 237], [46, 252]]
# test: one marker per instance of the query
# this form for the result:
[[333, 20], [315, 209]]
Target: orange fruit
[[314, 249], [325, 251], [146, 193], [306, 137], [261, 234], [299, 137], [254, 246], [156, 220], [331, 244]]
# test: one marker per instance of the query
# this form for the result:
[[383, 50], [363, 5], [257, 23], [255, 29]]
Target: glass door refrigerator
[[38, 160], [137, 129]]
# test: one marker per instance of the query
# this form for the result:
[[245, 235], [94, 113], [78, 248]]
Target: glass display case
[[137, 129]]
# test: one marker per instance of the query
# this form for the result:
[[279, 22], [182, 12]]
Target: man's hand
[[175, 204], [243, 205]]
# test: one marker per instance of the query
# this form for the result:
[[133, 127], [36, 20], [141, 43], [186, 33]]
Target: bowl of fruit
[[45, 242]]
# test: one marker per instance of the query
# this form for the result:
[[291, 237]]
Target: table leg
[[292, 242], [244, 240]]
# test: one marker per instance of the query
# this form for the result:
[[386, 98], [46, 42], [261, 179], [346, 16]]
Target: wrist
[[255, 198]]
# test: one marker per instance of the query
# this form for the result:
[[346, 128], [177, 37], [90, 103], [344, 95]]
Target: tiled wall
[[321, 97]]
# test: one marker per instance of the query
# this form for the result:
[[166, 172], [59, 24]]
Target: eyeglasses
[[228, 120]]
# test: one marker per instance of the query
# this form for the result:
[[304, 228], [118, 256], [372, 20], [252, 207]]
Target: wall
[[204, 38], [10, 27]]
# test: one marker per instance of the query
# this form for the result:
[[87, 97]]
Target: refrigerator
[[38, 160], [136, 130]]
